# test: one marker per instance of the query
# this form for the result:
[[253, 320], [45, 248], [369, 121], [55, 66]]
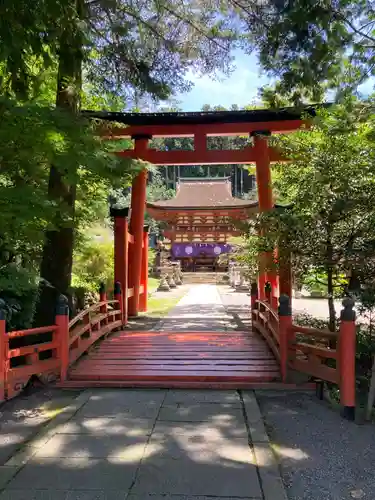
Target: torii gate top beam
[[211, 123]]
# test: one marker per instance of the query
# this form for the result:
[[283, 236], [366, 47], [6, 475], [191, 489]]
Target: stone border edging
[[268, 468], [48, 431]]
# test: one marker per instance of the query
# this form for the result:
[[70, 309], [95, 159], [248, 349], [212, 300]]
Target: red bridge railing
[[67, 341], [309, 350], [19, 364]]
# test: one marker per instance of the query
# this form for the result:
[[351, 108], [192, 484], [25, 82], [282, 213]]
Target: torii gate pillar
[[138, 204], [265, 200]]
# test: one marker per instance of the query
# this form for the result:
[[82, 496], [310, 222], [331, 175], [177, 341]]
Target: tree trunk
[[56, 266], [371, 393], [331, 304]]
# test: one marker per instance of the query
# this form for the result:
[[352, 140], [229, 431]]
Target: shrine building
[[200, 221]]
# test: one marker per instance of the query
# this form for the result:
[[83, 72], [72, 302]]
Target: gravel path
[[322, 456]]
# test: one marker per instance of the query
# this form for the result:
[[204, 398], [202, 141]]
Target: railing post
[[103, 298], [3, 350], [117, 296], [254, 295], [347, 350], [62, 322], [285, 323]]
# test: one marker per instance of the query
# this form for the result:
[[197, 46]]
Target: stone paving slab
[[101, 495], [76, 474], [202, 396], [218, 413], [201, 445], [182, 497], [220, 452], [63, 495], [200, 431], [254, 418], [6, 474], [14, 434], [140, 409], [185, 477], [25, 453], [136, 403], [33, 495], [84, 446], [128, 396], [107, 426]]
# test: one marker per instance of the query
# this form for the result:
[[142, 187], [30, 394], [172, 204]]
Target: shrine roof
[[207, 117], [203, 193]]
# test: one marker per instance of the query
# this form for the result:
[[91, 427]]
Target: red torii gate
[[259, 124]]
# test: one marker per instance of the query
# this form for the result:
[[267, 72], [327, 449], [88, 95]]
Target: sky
[[240, 88]]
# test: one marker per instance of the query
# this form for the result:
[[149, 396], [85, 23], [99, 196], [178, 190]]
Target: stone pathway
[[201, 309], [156, 445]]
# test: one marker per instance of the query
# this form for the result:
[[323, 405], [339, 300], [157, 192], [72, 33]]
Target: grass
[[153, 283], [160, 306]]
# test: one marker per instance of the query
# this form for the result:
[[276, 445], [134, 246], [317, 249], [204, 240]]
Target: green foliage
[[55, 171], [151, 257], [279, 95], [328, 188], [330, 184], [127, 48], [32, 138], [245, 252], [29, 38], [315, 281], [313, 45], [19, 290], [93, 264], [305, 319], [156, 190], [147, 49]]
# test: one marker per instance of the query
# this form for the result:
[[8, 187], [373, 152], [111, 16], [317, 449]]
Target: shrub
[[19, 291], [93, 263]]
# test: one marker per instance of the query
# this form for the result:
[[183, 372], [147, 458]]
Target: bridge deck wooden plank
[[179, 357]]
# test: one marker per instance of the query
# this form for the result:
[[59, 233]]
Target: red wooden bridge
[[94, 350]]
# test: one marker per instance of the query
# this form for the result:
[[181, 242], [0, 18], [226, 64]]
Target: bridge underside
[[170, 359]]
